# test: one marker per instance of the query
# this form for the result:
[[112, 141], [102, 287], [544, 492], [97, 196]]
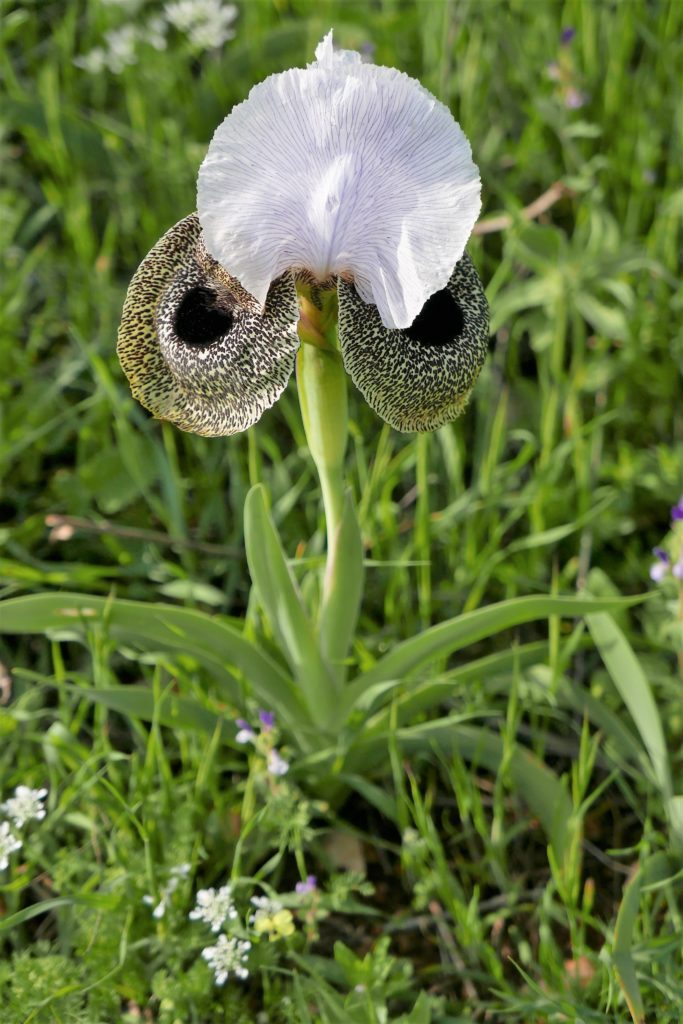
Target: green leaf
[[420, 696], [606, 320], [102, 902], [343, 589], [138, 702], [278, 594], [655, 869], [153, 627], [630, 681], [442, 640], [374, 795]]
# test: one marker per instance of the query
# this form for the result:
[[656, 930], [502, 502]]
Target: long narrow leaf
[[217, 646], [421, 696], [343, 590], [630, 681], [139, 702], [442, 640], [655, 869], [278, 594]]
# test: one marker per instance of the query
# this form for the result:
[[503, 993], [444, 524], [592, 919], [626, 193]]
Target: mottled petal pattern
[[341, 169], [419, 378], [197, 349]]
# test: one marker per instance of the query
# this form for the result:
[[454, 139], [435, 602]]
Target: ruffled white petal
[[346, 169]]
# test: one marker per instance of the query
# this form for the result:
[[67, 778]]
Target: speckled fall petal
[[418, 378], [198, 349], [342, 168]]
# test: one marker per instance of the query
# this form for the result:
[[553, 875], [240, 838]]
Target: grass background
[[563, 468]]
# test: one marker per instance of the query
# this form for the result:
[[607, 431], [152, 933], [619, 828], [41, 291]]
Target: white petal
[[346, 169]]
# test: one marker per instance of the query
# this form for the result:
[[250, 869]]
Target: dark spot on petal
[[439, 322], [199, 320]]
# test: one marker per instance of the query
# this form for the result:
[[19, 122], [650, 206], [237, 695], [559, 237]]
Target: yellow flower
[[277, 926]]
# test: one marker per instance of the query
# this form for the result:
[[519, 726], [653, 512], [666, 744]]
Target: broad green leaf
[[630, 681], [138, 702], [217, 646], [442, 640], [655, 869], [343, 590], [278, 594]]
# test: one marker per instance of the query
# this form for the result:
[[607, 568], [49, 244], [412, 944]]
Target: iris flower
[[341, 175]]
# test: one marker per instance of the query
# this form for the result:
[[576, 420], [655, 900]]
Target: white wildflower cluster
[[175, 877], [214, 907], [229, 955], [206, 24], [26, 805], [267, 919]]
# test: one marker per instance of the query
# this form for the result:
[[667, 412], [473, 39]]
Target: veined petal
[[197, 349], [419, 378], [341, 169]]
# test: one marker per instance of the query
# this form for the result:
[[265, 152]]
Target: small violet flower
[[574, 99], [214, 907], [341, 176], [245, 733], [26, 805], [670, 559], [227, 957], [9, 843], [567, 35], [267, 720], [310, 885]]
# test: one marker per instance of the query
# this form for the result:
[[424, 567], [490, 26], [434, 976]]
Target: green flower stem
[[322, 395]]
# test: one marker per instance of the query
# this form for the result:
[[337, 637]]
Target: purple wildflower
[[566, 35], [267, 719], [310, 885], [661, 555], [245, 734], [677, 511], [574, 99]]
